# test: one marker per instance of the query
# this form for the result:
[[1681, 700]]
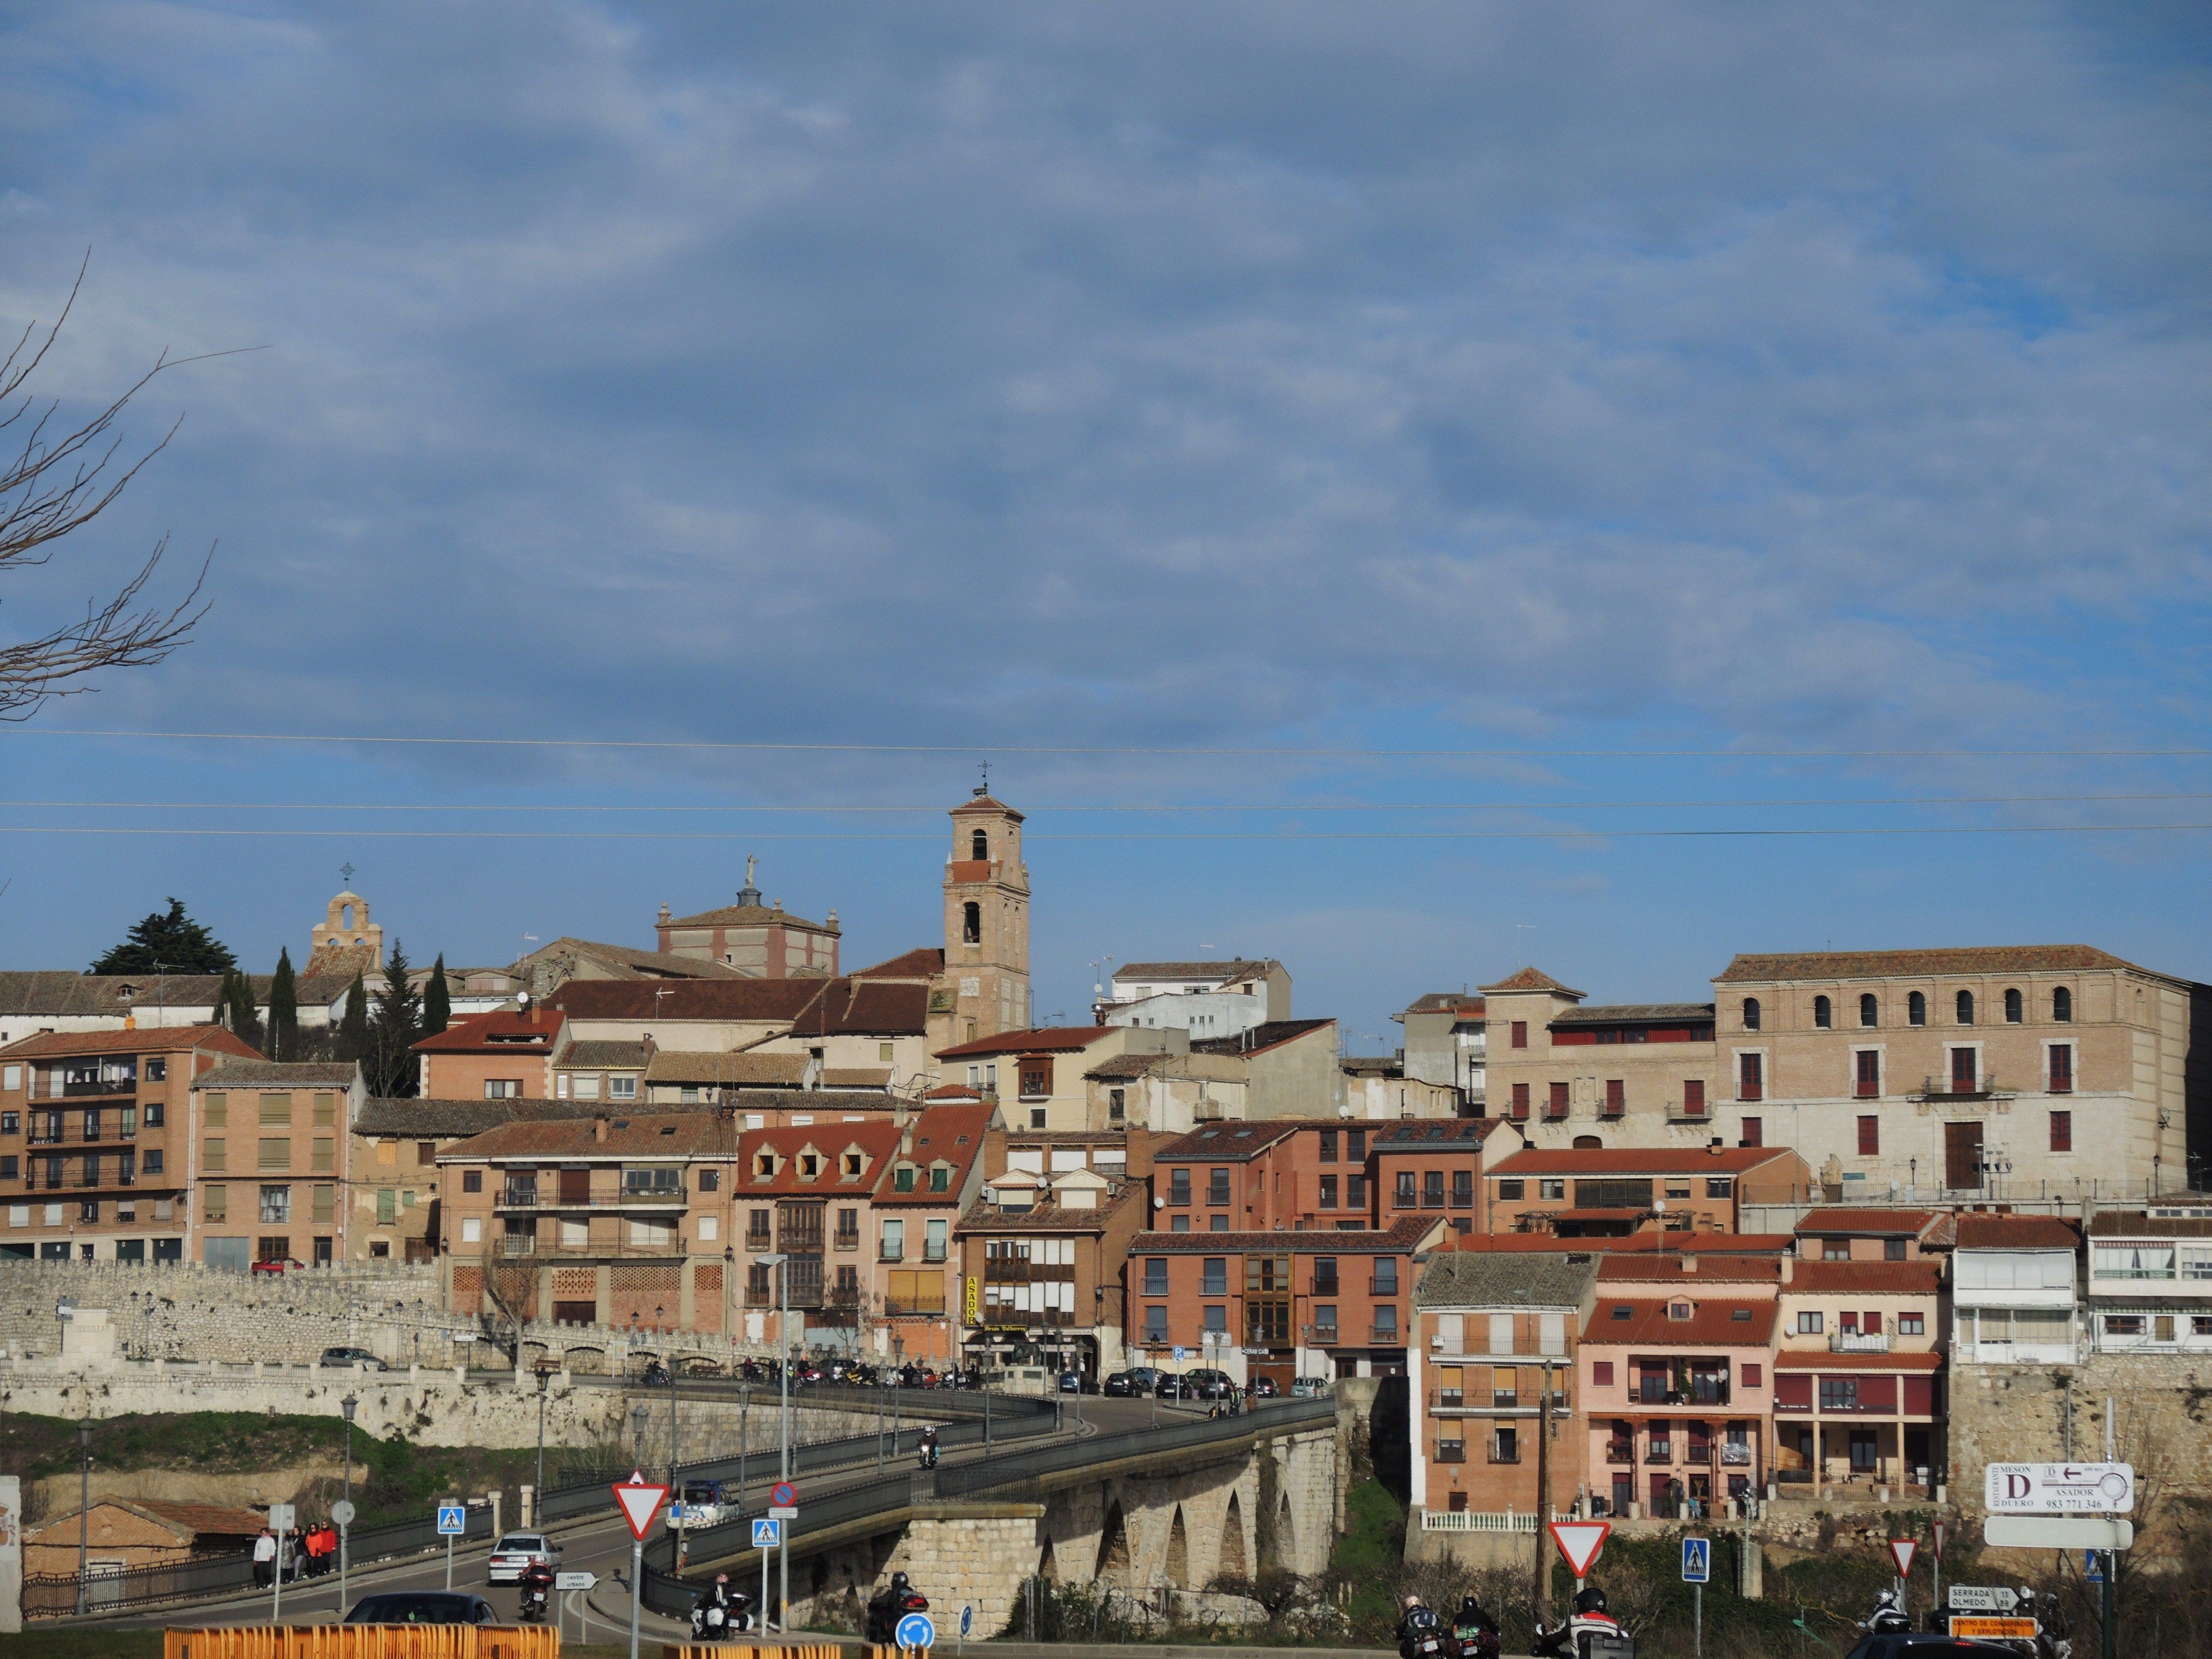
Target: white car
[[701, 1505], [517, 1550]]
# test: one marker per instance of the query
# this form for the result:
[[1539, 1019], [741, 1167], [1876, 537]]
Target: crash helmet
[[1590, 1600], [899, 1581], [1412, 1602], [721, 1579], [1885, 1599]]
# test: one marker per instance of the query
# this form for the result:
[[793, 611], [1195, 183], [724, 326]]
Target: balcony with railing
[[1621, 1453], [524, 1195], [1961, 1088], [1451, 1451], [98, 1088], [1680, 1111], [1859, 1342], [933, 1252], [1385, 1336], [1321, 1336]]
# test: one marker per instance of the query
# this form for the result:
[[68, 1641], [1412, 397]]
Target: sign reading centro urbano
[[2059, 1489]]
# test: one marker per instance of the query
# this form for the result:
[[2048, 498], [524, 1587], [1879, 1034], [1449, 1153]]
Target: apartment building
[[1851, 1232], [2149, 1285], [2013, 1291], [935, 1176], [1677, 1390], [1488, 1330], [807, 1192], [1976, 1072], [1277, 1304], [1597, 1193], [271, 1160], [1042, 1262], [1858, 1375], [1206, 999], [392, 1189], [506, 1054], [607, 1220], [96, 1141], [1041, 1076], [1447, 1043], [593, 1070], [1438, 1167]]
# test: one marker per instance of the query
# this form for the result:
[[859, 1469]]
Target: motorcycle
[[927, 1455], [888, 1607], [1475, 1639], [1426, 1638], [537, 1598], [712, 1620], [1887, 1617], [656, 1375]]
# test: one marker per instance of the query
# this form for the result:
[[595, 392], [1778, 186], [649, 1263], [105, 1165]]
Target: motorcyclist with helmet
[[1474, 1632], [536, 1587], [1420, 1632], [928, 1454], [1887, 1617], [1574, 1636], [889, 1605]]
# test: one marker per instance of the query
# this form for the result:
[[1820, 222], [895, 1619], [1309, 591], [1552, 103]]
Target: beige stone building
[[986, 925], [271, 1151], [761, 941], [1992, 1072]]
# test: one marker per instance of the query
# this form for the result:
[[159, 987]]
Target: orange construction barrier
[[364, 1642], [804, 1650]]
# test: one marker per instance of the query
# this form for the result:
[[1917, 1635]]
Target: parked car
[[1265, 1387], [516, 1550], [1135, 1383], [1078, 1382], [1308, 1387], [1202, 1383], [275, 1266], [353, 1357], [422, 1607]]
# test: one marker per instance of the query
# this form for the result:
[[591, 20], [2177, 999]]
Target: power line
[[1200, 752], [1141, 808], [1257, 835]]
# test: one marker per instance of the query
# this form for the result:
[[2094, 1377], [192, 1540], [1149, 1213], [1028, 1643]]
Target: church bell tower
[[986, 920]]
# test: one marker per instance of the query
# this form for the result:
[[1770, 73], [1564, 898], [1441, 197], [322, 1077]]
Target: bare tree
[[56, 483]]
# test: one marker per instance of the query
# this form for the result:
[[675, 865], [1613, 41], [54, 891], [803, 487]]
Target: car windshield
[[522, 1540]]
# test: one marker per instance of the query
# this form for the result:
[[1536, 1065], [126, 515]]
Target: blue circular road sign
[[915, 1630]]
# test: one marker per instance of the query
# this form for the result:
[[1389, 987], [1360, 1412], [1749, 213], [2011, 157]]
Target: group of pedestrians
[[307, 1554]]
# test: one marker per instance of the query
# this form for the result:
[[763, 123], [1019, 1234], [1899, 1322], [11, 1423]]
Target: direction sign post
[[342, 1513], [2059, 1489], [569, 1586], [641, 1500], [1580, 1542], [2058, 1532], [1696, 1571], [452, 1522], [280, 1522]]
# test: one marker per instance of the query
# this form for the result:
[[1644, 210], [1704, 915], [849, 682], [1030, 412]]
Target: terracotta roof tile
[[1900, 1278], [876, 1142], [638, 1135], [1713, 1322], [733, 1071], [1040, 1040], [1531, 978], [1851, 1221], [925, 962], [1883, 964], [1976, 1232], [1217, 972], [950, 1134], [273, 1074], [748, 915], [502, 1031], [159, 1039], [1228, 1142]]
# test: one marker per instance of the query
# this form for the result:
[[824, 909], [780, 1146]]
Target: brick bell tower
[[986, 919]]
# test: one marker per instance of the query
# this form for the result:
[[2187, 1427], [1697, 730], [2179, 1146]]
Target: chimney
[[1789, 1266], [1689, 1264], [600, 1129], [1715, 1146]]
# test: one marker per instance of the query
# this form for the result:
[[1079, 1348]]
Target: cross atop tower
[[984, 788], [345, 872]]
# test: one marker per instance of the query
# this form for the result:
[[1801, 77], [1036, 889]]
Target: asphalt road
[[600, 1546]]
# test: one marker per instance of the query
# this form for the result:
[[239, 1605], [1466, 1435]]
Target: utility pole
[[349, 1405], [2111, 1558], [1544, 1498], [84, 1512]]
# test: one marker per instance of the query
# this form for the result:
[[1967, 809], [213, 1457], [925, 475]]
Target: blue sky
[[1010, 380]]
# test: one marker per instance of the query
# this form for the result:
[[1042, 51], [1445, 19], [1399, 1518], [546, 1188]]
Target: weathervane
[[985, 768], [345, 873]]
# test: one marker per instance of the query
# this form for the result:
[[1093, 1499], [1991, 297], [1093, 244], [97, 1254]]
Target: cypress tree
[[245, 1018], [352, 1024], [437, 1000], [394, 1026], [284, 1009]]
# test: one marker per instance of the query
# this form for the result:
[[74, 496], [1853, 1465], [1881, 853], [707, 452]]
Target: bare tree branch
[[54, 484]]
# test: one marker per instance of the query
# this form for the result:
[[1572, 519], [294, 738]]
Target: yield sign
[[1580, 1542], [1939, 1540], [641, 1501], [1900, 1551]]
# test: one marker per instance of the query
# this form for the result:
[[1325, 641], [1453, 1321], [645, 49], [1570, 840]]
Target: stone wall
[[186, 1310], [2162, 1423]]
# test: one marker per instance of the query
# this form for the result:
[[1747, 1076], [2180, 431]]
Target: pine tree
[[284, 1009], [171, 944], [353, 1025], [394, 1027], [241, 1016], [437, 1000]]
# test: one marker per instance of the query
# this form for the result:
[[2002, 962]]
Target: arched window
[[971, 922], [1751, 1013], [1869, 1009], [1966, 1007], [2062, 1005], [1916, 1009], [1823, 1015], [2012, 1009], [979, 846]]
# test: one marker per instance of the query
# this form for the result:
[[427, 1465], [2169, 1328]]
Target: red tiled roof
[[878, 1142], [1531, 978], [1698, 1244], [204, 1519], [1229, 1142], [1977, 1231], [939, 1135], [158, 1040], [1648, 1267], [953, 1093], [980, 802], [1907, 1278], [1814, 1359], [771, 1001], [1636, 1160], [503, 1031], [1713, 1324], [1840, 1220], [923, 962], [1882, 964], [629, 1135], [1042, 1040]]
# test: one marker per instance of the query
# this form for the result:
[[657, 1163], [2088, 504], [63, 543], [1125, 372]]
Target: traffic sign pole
[[1696, 1568], [636, 1568]]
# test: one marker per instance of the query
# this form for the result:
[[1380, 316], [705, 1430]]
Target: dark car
[[1265, 1387], [1201, 1383], [1137, 1381], [422, 1607], [1077, 1382], [1925, 1644]]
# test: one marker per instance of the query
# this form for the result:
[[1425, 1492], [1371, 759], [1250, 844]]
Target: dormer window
[[810, 1165], [902, 1178], [854, 1163], [940, 1177], [1678, 1310], [764, 1166]]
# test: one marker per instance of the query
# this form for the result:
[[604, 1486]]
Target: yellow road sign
[[2001, 1629]]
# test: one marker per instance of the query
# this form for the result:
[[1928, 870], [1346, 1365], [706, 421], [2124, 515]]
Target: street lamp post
[[83, 1511], [779, 1263], [545, 1386], [349, 1405]]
